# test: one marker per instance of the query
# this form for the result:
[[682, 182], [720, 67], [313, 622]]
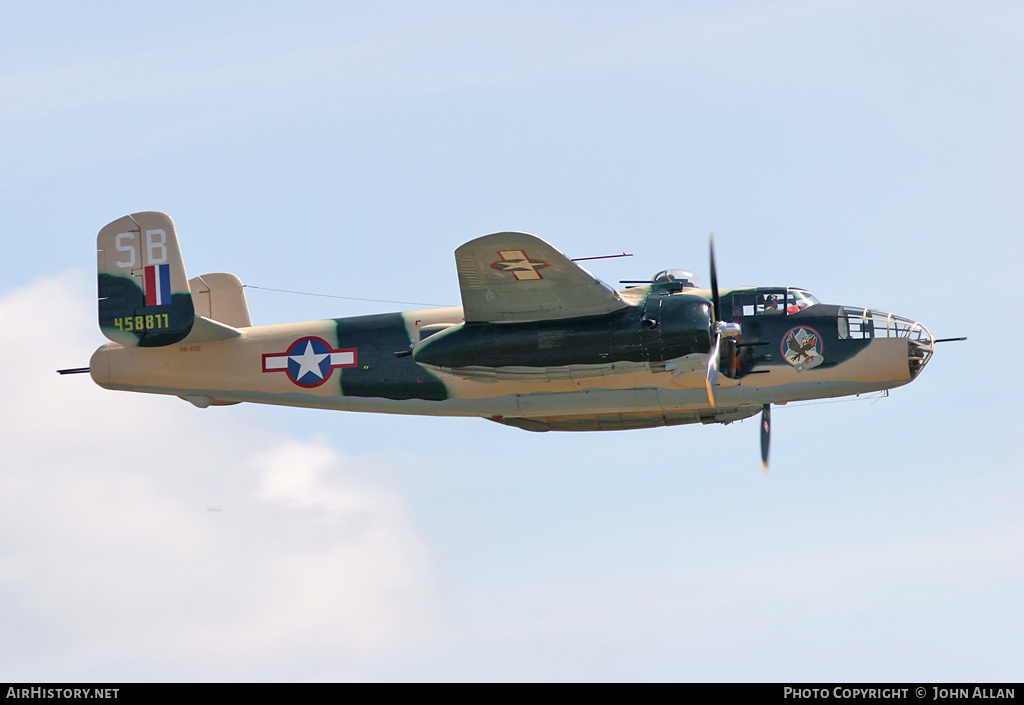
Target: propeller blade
[[712, 371], [714, 279], [766, 434]]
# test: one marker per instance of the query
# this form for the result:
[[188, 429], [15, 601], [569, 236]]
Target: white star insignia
[[309, 361]]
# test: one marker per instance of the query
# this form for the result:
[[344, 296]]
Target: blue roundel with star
[[309, 361]]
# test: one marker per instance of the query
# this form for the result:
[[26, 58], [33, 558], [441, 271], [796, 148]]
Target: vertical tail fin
[[144, 297], [220, 297]]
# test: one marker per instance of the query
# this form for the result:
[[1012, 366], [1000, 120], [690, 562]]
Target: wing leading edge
[[515, 277]]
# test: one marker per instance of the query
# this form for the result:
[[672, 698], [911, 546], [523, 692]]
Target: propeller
[[766, 434], [711, 375], [721, 328], [715, 301]]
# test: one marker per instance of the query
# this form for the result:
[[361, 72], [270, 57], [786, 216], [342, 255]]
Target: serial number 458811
[[149, 322]]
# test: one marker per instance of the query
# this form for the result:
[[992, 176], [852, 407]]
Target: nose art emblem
[[801, 347]]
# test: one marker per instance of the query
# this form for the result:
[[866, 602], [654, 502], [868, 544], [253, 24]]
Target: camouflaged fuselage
[[430, 362]]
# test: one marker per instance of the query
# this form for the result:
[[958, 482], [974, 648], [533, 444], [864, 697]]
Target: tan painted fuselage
[[234, 370]]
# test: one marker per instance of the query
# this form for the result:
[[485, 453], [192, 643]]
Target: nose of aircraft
[[920, 346], [875, 324]]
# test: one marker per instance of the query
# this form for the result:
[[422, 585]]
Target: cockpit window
[[798, 300], [770, 302], [687, 278]]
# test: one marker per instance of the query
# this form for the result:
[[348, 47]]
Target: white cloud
[[145, 538]]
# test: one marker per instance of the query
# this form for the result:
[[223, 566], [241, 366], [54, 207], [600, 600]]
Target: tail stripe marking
[[158, 284]]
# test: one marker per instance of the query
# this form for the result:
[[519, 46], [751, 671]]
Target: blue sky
[[868, 151]]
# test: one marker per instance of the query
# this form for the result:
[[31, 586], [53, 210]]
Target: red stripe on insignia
[[151, 285]]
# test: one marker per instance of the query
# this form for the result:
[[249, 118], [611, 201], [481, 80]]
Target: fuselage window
[[742, 305]]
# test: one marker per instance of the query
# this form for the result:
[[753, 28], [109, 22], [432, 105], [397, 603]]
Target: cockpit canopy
[[768, 301], [686, 278]]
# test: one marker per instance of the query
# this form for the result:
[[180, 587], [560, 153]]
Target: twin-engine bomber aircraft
[[538, 343]]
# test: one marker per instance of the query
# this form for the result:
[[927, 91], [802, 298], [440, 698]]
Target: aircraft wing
[[507, 277]]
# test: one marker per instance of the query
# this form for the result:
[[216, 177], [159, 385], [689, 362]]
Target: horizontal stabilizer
[[221, 297], [206, 330]]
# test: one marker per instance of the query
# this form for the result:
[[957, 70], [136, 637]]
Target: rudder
[[144, 297]]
